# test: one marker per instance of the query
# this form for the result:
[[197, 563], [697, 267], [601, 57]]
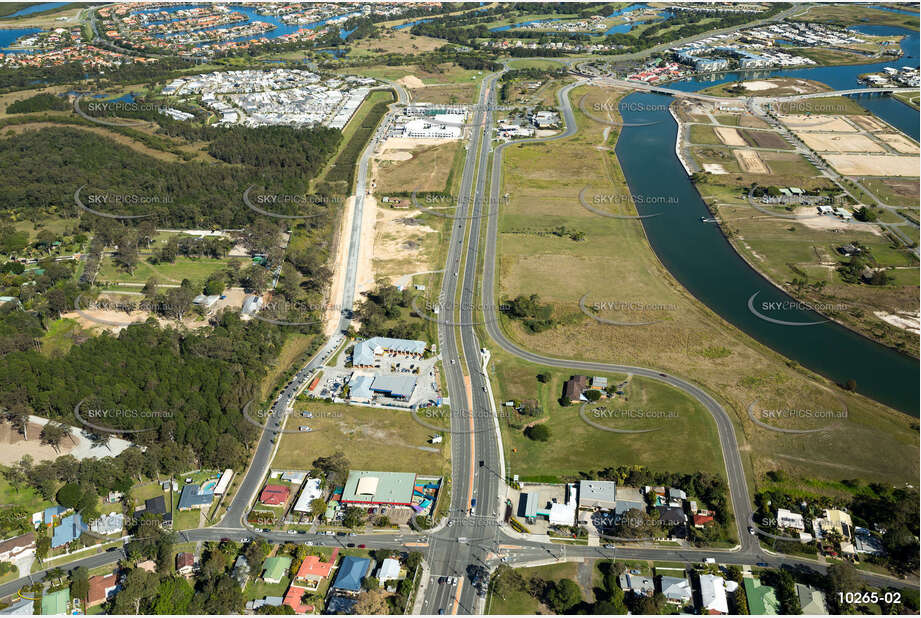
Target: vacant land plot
[[421, 168], [730, 137], [193, 269], [830, 142], [817, 122], [869, 123], [895, 191], [703, 134], [899, 142], [522, 601], [765, 139], [372, 438], [873, 165], [544, 181], [750, 162], [448, 93]]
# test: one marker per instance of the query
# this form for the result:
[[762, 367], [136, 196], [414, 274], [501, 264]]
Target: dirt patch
[[411, 81], [715, 168], [730, 137], [817, 122], [13, 446], [395, 155], [400, 244], [829, 142], [905, 321], [869, 123], [765, 139], [873, 165], [750, 162], [827, 223], [899, 142]]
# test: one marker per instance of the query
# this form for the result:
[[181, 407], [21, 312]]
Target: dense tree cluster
[[535, 317], [41, 102], [381, 310]]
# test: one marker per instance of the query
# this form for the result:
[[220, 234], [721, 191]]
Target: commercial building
[[367, 353], [629, 498], [598, 495], [564, 514], [788, 519], [396, 387], [370, 488]]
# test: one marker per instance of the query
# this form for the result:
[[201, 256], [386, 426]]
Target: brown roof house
[[102, 588], [185, 563], [572, 389]]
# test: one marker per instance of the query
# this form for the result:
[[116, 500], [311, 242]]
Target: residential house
[[17, 547], [701, 520], [351, 573], [833, 520], [185, 563], [713, 595], [240, 571], [274, 569], [573, 388], [294, 598], [762, 600], [274, 495], [789, 520], [110, 523], [676, 590], [811, 601], [314, 570], [192, 497], [23, 607], [389, 569], [640, 585], [102, 588], [69, 530], [599, 383], [629, 498]]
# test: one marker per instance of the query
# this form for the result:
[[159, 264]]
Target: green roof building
[[55, 603], [370, 488], [275, 569], [762, 600]]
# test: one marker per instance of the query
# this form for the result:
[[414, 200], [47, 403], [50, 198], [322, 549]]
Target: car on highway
[[751, 530], [361, 546]]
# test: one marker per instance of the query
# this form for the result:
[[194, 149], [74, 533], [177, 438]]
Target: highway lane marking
[[468, 387]]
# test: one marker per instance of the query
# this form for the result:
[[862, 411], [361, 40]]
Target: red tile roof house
[[293, 599], [185, 563], [102, 587], [701, 520], [274, 495], [313, 570]]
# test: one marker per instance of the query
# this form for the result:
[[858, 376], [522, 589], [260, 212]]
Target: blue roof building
[[70, 529], [192, 498], [351, 571], [51, 512]]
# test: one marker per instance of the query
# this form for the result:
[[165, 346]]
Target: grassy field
[[193, 269], [372, 438], [427, 171], [59, 337], [664, 448], [521, 602], [447, 93], [845, 15], [445, 73], [782, 87], [614, 262], [296, 345]]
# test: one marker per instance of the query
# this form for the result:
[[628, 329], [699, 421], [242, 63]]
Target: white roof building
[[713, 594], [310, 492], [223, 483], [564, 514], [788, 519], [108, 524], [390, 569]]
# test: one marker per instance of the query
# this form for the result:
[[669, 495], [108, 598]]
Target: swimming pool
[[208, 487]]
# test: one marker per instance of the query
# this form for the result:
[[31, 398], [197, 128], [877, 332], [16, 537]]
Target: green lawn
[[666, 448], [196, 270], [521, 602], [360, 432], [59, 337]]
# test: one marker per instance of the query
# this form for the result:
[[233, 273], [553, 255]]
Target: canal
[[700, 257]]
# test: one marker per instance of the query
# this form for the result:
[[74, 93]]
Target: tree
[[841, 577], [539, 433], [317, 507], [79, 583], [370, 583], [335, 467], [563, 595], [543, 377], [592, 394], [371, 602], [53, 433], [354, 517], [69, 495]]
